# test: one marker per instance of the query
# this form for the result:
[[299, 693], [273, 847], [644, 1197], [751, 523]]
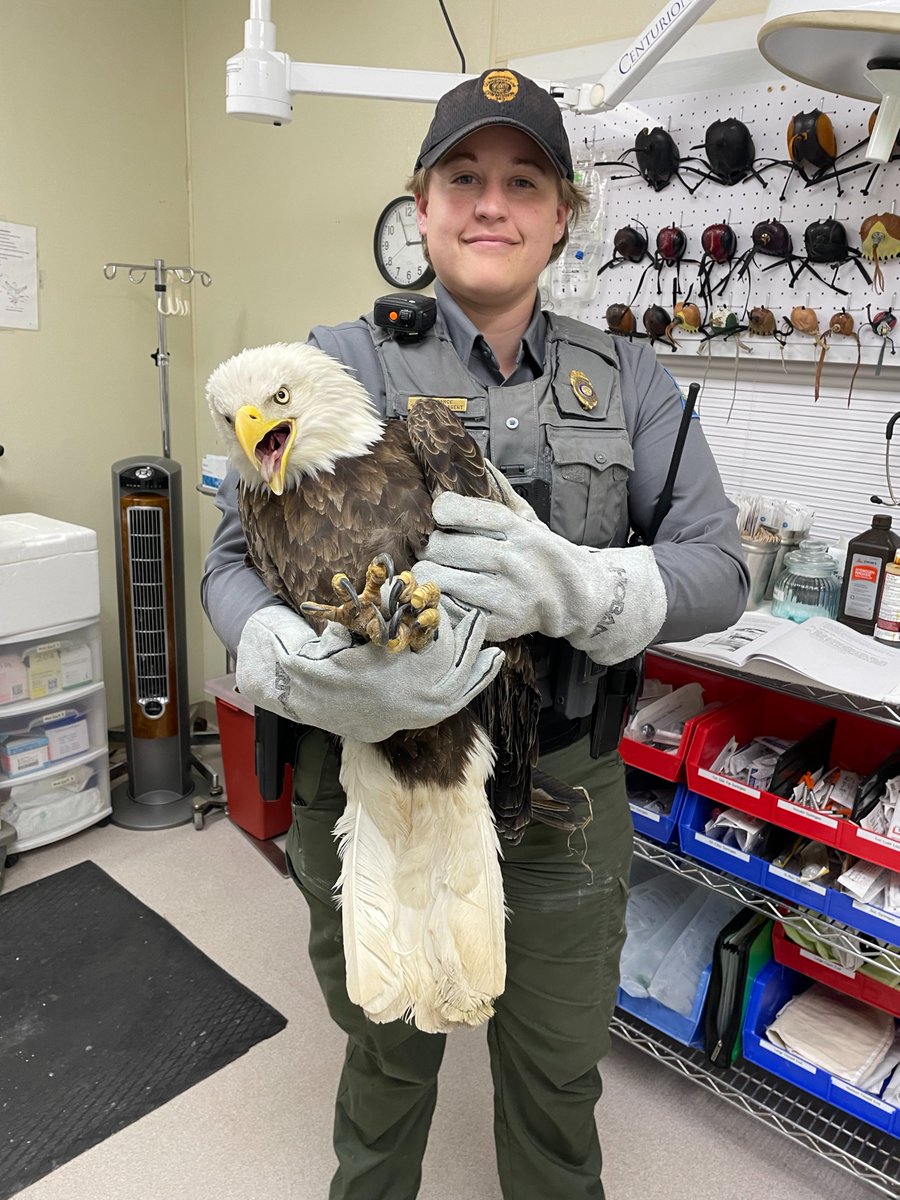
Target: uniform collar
[[470, 345]]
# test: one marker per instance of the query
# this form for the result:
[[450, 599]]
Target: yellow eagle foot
[[414, 613], [361, 611]]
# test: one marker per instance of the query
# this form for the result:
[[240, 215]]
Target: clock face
[[398, 246]]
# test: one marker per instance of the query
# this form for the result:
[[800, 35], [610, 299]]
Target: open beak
[[266, 443]]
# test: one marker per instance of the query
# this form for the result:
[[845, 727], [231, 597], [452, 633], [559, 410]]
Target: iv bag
[[573, 281]]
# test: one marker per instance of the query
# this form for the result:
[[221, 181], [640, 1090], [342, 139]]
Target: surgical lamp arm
[[261, 80]]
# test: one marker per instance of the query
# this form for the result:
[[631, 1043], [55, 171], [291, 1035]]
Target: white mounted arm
[[260, 81], [855, 51]]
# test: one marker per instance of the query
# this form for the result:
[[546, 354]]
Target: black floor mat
[[106, 1012]]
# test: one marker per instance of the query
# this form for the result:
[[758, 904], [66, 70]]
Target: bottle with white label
[[887, 626], [867, 557]]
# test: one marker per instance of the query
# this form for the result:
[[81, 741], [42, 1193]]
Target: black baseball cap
[[498, 97]]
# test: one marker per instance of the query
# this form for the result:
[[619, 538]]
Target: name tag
[[455, 403]]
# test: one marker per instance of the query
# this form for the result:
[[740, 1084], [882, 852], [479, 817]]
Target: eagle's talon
[[397, 618], [395, 593], [342, 585], [377, 628]]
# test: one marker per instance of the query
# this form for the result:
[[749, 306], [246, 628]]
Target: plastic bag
[[658, 912], [677, 976]]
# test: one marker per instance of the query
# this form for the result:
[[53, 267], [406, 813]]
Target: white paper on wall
[[18, 276]]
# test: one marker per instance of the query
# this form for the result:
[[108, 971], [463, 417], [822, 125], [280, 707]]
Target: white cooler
[[49, 574]]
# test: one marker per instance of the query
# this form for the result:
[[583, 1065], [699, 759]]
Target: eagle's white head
[[287, 411]]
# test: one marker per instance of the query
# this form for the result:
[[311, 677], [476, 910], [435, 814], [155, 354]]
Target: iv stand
[[137, 272]]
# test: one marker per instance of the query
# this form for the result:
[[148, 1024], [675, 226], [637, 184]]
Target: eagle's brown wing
[[375, 504], [508, 708]]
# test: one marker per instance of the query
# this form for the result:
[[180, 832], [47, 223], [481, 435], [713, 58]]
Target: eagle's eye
[[282, 396], [228, 420]]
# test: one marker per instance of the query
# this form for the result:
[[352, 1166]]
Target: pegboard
[[766, 110], [765, 430]]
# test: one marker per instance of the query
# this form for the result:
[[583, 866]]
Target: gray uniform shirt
[[697, 549]]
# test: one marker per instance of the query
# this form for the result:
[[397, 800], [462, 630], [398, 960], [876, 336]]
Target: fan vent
[[146, 557]]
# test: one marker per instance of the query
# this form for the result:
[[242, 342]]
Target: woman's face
[[492, 216]]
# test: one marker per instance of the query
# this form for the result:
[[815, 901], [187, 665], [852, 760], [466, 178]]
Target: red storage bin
[[716, 688], [859, 745], [833, 975], [246, 807]]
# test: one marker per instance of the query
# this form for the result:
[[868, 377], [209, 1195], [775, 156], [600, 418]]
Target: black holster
[[275, 746], [616, 698]]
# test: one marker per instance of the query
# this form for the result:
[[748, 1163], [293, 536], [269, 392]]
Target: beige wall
[[96, 152], [92, 147], [534, 27]]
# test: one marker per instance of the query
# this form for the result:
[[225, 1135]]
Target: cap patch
[[500, 86]]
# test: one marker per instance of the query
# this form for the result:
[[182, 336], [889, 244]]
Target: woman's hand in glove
[[527, 579], [363, 691]]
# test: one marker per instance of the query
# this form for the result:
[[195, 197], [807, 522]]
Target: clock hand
[[416, 241]]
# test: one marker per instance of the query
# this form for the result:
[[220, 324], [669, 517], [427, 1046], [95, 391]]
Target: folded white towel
[[838, 1033]]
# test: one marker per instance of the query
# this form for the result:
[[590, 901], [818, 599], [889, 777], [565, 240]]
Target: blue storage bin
[[661, 827], [864, 917], [810, 895], [694, 815], [687, 1030], [774, 986]]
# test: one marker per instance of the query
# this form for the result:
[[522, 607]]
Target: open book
[[819, 650]]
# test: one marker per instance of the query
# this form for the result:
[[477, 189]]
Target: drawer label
[[799, 811], [792, 1058], [729, 783], [888, 843], [783, 874], [644, 812], [881, 913], [732, 850], [867, 1096], [831, 966]]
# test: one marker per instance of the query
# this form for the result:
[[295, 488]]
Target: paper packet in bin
[[736, 829], [661, 723]]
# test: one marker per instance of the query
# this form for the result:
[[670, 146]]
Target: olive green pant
[[566, 895]]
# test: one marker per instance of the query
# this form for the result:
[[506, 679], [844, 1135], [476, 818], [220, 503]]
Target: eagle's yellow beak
[[266, 443]]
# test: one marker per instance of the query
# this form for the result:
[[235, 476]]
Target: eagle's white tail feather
[[366, 885], [421, 893], [464, 939]]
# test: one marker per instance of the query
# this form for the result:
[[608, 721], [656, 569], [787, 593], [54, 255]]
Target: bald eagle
[[332, 497]]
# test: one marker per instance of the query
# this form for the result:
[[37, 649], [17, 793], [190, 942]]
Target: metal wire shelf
[[771, 906], [866, 1153], [887, 713]]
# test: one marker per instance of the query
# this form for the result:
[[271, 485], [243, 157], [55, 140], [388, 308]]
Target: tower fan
[[159, 792], [150, 576]]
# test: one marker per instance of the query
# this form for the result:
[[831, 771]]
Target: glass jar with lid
[[809, 585]]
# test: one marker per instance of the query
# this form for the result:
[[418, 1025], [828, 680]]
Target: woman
[[585, 426]]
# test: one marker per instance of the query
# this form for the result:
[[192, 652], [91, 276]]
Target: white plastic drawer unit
[[47, 806], [52, 667], [49, 574], [45, 738]]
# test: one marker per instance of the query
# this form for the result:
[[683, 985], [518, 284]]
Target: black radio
[[404, 314]]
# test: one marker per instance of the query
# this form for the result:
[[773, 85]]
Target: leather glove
[[526, 579], [363, 691]]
